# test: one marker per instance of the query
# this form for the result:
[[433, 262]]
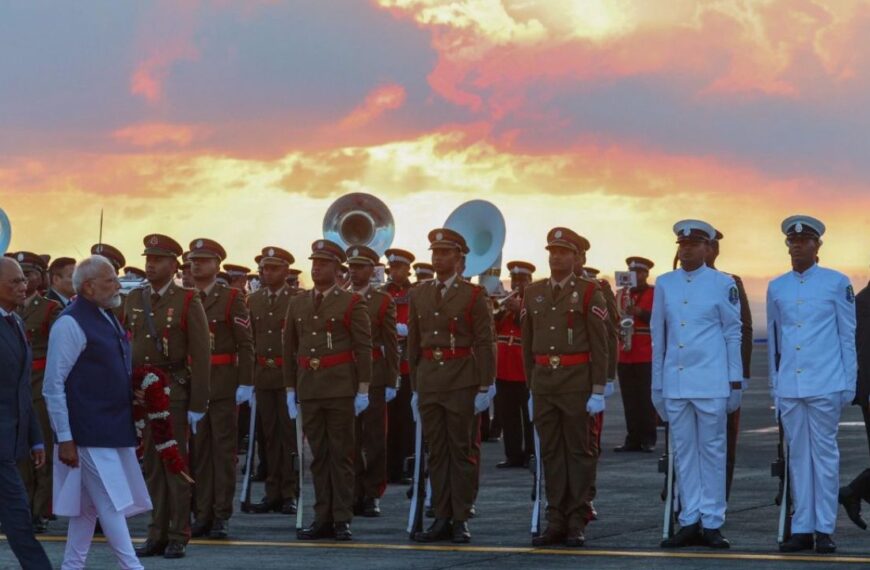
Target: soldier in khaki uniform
[[371, 425], [565, 352], [423, 272], [328, 368], [268, 306], [38, 314], [232, 376], [170, 331], [451, 353]]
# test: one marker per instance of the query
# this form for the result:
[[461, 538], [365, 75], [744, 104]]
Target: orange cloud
[[148, 78], [154, 134], [379, 101]]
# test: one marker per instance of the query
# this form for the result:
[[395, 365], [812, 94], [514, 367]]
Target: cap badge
[[154, 240], [99, 249], [392, 258], [271, 252], [198, 243], [320, 245], [355, 252], [686, 231], [558, 234], [439, 236], [20, 257], [799, 227]]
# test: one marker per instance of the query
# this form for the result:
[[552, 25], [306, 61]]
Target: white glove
[[415, 408], [360, 403], [609, 389], [389, 394], [595, 404], [531, 407], [847, 397], [401, 329], [658, 402], [193, 419], [244, 394], [734, 400], [481, 402], [291, 405], [491, 392]]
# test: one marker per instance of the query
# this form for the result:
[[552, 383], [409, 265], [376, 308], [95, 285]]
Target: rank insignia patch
[[850, 294], [733, 296]]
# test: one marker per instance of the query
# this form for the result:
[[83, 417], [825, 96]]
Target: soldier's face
[[159, 269], [562, 260], [642, 276], [445, 260], [692, 253], [803, 250], [323, 272], [519, 282], [400, 272], [274, 276], [34, 281], [204, 268], [361, 274]]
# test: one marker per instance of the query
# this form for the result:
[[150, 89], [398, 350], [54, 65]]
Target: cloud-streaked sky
[[244, 120]]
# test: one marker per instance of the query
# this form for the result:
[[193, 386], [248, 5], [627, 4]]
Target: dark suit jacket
[[19, 428], [862, 345], [52, 294]]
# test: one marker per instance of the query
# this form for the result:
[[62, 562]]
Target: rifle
[[780, 467], [249, 459], [537, 469], [669, 493], [299, 465], [418, 487]]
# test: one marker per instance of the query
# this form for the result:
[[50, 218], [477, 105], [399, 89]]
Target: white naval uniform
[[695, 330], [108, 482], [811, 324]]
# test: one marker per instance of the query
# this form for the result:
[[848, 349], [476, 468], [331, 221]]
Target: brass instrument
[[626, 317], [359, 219]]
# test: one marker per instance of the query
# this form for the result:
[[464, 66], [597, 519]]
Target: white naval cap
[[694, 229], [803, 225]]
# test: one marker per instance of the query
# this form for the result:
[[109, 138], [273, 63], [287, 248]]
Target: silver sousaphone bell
[[360, 219], [483, 227], [5, 232]]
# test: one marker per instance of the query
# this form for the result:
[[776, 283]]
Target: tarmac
[[626, 534]]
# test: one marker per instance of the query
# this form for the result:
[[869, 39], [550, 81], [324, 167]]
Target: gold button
[[147, 336], [552, 348], [147, 358], [314, 333], [312, 350], [270, 314], [436, 313], [436, 332], [552, 328]]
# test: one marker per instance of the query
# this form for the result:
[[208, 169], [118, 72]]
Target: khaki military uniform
[[38, 314], [451, 355], [232, 364], [565, 353], [371, 425], [177, 340], [268, 315], [327, 354]]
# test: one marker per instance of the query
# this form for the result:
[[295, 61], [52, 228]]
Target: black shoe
[[289, 506], [687, 536], [798, 541], [825, 544], [430, 512], [342, 531], [219, 529], [174, 549], [200, 528], [627, 448], [852, 504], [472, 512], [508, 464], [441, 529], [575, 539], [549, 538], [317, 530], [713, 538], [461, 534], [647, 448], [40, 525], [150, 547], [372, 508], [265, 506]]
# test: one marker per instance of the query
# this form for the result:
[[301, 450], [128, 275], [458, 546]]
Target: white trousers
[[95, 502], [811, 426], [697, 428]]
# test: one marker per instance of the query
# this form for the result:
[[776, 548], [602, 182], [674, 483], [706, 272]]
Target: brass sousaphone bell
[[360, 219]]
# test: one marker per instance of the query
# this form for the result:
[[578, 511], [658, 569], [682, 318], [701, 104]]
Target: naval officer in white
[[813, 369], [697, 379]]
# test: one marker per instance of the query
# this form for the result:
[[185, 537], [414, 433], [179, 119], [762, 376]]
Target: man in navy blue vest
[[19, 429], [89, 394]]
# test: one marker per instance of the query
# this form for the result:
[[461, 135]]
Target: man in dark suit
[[851, 494], [60, 277], [15, 411]]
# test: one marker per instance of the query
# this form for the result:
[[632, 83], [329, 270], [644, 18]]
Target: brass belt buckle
[[270, 363], [314, 363], [555, 361], [437, 354]]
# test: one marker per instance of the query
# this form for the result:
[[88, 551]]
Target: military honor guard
[[237, 276], [565, 353], [232, 373], [512, 394], [745, 358], [38, 315], [371, 425], [169, 330], [452, 361], [400, 421], [268, 306], [327, 372], [635, 360], [813, 367], [697, 379], [60, 278]]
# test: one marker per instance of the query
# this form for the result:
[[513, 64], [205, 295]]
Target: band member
[[232, 373], [423, 272], [635, 362], [293, 281], [371, 425], [170, 331], [400, 422], [38, 315], [451, 355], [813, 367], [268, 307], [745, 357], [328, 369], [186, 275], [565, 353], [512, 395], [697, 379], [60, 276], [238, 276]]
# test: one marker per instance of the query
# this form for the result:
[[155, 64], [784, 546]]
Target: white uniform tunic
[[696, 355], [811, 327]]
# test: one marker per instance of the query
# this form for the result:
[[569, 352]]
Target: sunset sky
[[243, 121]]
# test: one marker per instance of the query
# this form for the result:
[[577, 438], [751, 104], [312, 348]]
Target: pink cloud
[[154, 134], [379, 101]]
